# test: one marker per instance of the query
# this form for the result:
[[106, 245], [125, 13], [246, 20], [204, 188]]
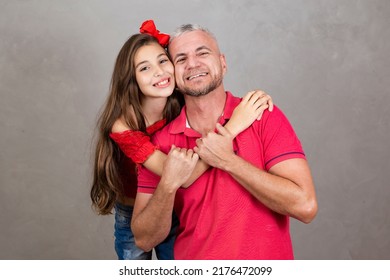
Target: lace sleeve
[[134, 144]]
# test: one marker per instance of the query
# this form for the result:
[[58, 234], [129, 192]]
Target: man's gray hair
[[190, 27]]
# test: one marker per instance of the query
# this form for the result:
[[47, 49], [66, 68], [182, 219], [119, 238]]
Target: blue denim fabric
[[124, 239], [164, 251]]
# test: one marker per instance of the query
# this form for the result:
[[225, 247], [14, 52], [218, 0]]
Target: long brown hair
[[124, 99]]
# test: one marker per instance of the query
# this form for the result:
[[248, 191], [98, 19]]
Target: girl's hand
[[251, 108], [178, 167]]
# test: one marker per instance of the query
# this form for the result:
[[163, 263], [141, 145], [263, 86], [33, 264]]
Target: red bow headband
[[148, 27]]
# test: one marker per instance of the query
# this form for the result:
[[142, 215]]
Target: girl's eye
[[143, 68], [163, 60]]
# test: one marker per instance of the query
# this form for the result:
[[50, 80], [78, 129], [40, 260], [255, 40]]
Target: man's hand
[[216, 149]]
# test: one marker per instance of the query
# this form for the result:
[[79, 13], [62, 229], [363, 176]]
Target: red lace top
[[136, 144], [137, 147]]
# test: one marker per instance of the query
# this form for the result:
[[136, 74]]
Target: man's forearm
[[292, 194], [153, 224]]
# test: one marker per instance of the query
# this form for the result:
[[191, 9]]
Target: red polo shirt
[[220, 219]]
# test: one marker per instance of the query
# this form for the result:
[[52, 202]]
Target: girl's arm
[[250, 108], [155, 164], [137, 146]]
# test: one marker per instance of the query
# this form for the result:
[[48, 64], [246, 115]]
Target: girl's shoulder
[[120, 126]]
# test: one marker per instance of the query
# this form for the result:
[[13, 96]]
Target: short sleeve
[[279, 138], [134, 144], [147, 180]]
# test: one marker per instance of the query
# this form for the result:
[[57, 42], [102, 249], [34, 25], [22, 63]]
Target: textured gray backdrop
[[325, 63]]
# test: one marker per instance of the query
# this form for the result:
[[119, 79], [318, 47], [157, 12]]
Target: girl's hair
[[124, 100]]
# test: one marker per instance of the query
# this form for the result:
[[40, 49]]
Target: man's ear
[[222, 58]]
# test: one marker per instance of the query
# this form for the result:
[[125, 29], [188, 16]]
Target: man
[[239, 209]]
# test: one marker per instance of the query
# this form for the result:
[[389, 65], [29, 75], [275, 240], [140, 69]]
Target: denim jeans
[[124, 239]]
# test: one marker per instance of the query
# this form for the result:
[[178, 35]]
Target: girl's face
[[154, 71]]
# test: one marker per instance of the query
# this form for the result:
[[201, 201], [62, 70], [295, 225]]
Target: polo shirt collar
[[179, 125]]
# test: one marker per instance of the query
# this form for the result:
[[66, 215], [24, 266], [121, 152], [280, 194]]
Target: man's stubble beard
[[215, 83]]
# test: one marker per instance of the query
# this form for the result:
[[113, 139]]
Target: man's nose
[[192, 61]]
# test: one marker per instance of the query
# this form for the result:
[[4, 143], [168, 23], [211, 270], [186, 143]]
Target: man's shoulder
[[173, 127], [232, 97], [276, 113], [163, 133]]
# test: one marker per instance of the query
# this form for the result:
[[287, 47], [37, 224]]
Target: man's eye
[[203, 53], [180, 60]]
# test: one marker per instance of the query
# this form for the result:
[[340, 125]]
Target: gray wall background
[[325, 63]]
